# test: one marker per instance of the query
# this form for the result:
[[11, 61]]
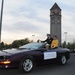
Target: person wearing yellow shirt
[[54, 42]]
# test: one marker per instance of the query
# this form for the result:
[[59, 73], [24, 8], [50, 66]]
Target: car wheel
[[26, 65], [63, 60]]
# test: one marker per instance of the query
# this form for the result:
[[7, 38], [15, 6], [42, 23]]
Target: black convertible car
[[26, 57]]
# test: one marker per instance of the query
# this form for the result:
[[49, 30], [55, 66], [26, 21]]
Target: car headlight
[[5, 62]]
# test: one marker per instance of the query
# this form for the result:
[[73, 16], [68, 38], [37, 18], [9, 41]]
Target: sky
[[24, 18]]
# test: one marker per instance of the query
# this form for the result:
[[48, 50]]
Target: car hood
[[12, 51]]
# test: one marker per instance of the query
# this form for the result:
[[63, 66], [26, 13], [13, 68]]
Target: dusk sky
[[24, 18]]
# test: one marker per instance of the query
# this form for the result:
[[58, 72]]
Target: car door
[[49, 54]]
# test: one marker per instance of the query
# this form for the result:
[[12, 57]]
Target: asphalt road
[[53, 69]]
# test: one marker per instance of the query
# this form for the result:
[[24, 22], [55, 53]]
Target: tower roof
[[55, 6]]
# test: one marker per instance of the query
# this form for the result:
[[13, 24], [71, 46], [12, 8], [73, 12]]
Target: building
[[55, 22]]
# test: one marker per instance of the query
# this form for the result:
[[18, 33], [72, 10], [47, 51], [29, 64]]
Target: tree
[[2, 45], [15, 44], [26, 40], [69, 45], [64, 45], [7, 46], [73, 45], [18, 43]]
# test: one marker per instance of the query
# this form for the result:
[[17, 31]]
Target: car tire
[[27, 64], [63, 60]]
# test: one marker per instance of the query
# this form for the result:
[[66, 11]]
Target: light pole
[[33, 37], [65, 36], [1, 16]]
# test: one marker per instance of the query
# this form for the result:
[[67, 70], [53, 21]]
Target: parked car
[[72, 50], [26, 57]]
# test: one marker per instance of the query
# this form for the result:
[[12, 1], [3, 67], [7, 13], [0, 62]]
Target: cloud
[[18, 24], [23, 18], [68, 25]]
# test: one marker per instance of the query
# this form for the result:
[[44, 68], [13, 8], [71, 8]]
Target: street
[[53, 69]]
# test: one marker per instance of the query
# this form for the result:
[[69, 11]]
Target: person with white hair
[[48, 40]]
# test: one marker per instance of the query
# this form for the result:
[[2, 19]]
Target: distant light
[[65, 32]]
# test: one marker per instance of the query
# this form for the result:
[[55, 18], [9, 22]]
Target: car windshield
[[32, 46]]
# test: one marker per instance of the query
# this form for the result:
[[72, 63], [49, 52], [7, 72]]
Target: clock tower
[[55, 22]]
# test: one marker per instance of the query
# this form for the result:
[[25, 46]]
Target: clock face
[[56, 12], [52, 12]]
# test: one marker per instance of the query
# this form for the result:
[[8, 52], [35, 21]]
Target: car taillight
[[5, 62]]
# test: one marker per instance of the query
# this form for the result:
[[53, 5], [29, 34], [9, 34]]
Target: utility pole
[[33, 37], [1, 16], [65, 36]]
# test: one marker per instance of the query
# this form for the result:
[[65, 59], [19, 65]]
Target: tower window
[[53, 20]]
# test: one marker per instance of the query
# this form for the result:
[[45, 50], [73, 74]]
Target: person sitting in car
[[54, 42], [48, 40]]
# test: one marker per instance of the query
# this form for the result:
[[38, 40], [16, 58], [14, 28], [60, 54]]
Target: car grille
[[4, 57], [1, 57]]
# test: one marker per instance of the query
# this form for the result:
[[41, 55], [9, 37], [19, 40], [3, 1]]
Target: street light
[[33, 37], [1, 16], [65, 36]]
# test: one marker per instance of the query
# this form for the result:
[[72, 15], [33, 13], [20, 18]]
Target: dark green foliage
[[64, 44], [15, 44], [18, 43], [69, 45]]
